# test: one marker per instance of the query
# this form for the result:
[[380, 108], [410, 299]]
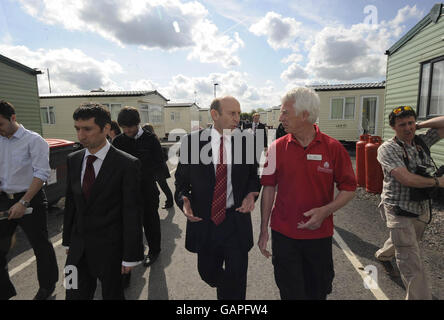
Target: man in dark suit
[[258, 128], [217, 198], [145, 146], [102, 225], [280, 132]]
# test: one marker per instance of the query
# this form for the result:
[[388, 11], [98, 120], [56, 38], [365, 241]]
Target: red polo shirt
[[305, 180]]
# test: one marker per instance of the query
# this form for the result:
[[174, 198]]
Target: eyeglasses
[[401, 109]]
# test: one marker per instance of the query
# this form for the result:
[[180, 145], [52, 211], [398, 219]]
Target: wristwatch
[[25, 203], [417, 125], [436, 181]]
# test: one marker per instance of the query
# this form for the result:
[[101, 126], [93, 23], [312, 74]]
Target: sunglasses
[[401, 109]]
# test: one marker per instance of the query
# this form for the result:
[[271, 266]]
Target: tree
[[245, 116]]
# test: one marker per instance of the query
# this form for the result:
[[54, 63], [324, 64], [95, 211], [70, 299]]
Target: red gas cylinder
[[360, 159], [373, 170]]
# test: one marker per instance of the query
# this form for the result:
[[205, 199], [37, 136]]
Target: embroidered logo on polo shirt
[[326, 168]]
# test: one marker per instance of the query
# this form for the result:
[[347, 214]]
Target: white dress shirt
[[23, 156], [101, 154], [139, 133], [215, 145], [97, 164]]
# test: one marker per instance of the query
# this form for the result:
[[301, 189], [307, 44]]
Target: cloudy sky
[[254, 50]]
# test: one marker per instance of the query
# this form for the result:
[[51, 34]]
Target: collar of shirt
[[215, 136], [101, 154], [139, 133], [215, 145], [317, 138], [19, 133]]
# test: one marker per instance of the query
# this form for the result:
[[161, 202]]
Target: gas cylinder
[[360, 159], [373, 170]]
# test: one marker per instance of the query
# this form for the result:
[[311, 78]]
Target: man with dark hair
[[217, 195], [114, 131], [24, 167], [146, 147], [161, 177], [102, 225], [406, 219], [280, 131]]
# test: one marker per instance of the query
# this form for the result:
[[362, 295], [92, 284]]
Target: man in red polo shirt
[[303, 167]]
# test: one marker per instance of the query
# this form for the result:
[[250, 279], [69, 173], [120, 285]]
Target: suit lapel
[[234, 170], [77, 169], [209, 167]]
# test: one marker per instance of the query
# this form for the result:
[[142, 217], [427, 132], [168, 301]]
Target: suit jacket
[[148, 150], [196, 181], [280, 132], [260, 126], [108, 227]]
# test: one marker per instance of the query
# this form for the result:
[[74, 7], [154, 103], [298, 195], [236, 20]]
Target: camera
[[422, 194], [438, 193]]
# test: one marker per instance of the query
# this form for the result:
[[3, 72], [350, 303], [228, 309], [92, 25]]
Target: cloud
[[281, 32], [357, 52], [336, 52], [150, 24], [211, 47], [344, 54], [293, 72], [71, 70], [182, 88]]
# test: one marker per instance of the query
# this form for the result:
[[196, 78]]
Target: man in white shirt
[[102, 224], [24, 167]]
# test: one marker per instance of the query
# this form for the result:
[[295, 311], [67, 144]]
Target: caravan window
[[342, 108], [431, 89]]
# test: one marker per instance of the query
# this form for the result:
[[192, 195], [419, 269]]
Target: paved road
[[175, 275]]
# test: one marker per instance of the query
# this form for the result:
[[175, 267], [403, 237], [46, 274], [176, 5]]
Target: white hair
[[304, 99]]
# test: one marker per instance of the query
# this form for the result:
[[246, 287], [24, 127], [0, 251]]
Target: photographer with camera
[[405, 200]]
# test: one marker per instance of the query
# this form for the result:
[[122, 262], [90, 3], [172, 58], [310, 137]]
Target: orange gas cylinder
[[373, 170], [360, 159]]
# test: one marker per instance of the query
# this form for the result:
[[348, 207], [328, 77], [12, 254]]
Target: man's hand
[[16, 211], [248, 203], [317, 216], [262, 244], [126, 270], [188, 212], [441, 181]]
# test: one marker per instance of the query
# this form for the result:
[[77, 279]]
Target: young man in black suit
[[102, 226], [217, 198], [145, 146], [258, 128]]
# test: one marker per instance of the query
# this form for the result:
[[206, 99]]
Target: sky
[[254, 50]]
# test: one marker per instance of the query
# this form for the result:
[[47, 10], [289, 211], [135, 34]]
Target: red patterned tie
[[89, 176], [220, 189]]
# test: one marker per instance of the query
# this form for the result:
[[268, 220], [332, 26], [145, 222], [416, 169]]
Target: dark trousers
[[110, 278], [34, 226], [7, 289], [303, 269], [166, 190], [151, 225], [224, 266]]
